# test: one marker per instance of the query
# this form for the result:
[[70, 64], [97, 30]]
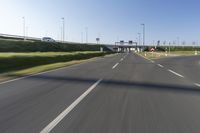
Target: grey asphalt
[[137, 96], [188, 66]]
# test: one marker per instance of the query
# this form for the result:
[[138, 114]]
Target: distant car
[[48, 39]]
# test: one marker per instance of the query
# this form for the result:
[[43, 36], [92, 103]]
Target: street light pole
[[81, 37], [143, 34], [139, 42], [169, 47], [63, 23], [24, 26], [27, 31], [86, 34], [178, 41]]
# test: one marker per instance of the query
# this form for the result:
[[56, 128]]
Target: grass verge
[[7, 45], [25, 59], [158, 55]]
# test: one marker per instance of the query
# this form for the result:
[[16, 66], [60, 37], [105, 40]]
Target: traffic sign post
[[98, 40]]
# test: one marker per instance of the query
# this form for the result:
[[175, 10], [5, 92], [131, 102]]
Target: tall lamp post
[[139, 37], [143, 34], [24, 26], [137, 43], [86, 34], [63, 30], [81, 37], [178, 41]]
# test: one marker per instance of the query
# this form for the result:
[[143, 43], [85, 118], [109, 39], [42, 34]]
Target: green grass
[[185, 53], [7, 45], [22, 64], [42, 54], [174, 48], [37, 69], [186, 49], [20, 61], [18, 57]]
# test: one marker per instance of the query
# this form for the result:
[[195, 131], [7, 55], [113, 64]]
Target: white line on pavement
[[115, 66], [146, 58], [198, 85], [24, 77], [176, 73], [125, 56], [60, 117], [160, 65], [31, 75], [122, 59]]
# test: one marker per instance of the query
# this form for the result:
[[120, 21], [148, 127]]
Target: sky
[[110, 20]]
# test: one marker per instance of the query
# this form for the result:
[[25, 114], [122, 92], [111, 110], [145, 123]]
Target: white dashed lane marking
[[60, 117], [160, 65], [115, 66], [175, 73], [198, 85]]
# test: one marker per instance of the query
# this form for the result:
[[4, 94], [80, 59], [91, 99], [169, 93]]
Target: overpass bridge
[[126, 46]]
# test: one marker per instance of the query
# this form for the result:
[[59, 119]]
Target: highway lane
[[134, 95], [29, 104], [138, 97], [188, 66]]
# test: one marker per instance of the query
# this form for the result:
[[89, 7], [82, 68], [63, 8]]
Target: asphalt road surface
[[124, 93]]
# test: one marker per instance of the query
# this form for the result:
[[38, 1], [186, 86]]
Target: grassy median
[[157, 55], [20, 64]]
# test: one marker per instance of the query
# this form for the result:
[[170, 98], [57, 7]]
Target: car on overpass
[[48, 39]]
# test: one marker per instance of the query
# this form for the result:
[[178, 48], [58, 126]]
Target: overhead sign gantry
[[122, 46]]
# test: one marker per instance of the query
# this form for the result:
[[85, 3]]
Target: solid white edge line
[[198, 85], [31, 75], [60, 117], [115, 66], [145, 58], [176, 73], [160, 65]]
